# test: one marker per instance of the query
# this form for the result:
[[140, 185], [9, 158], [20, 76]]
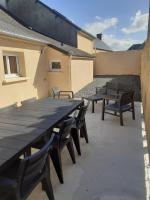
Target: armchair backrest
[[124, 88], [111, 88], [55, 91], [126, 98], [32, 169]]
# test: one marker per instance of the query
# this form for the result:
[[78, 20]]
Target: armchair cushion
[[116, 107]]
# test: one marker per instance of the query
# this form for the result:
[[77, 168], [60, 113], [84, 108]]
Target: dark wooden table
[[20, 127], [94, 98]]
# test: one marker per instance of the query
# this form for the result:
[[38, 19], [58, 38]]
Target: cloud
[[139, 23], [100, 25], [119, 44]]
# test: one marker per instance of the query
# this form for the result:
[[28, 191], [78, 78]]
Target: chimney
[[100, 36]]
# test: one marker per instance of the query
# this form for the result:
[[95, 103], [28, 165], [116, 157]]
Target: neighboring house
[[100, 48], [137, 47], [49, 22], [85, 41], [100, 45], [31, 63]]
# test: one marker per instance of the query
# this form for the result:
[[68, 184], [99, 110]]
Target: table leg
[[103, 109], [93, 107]]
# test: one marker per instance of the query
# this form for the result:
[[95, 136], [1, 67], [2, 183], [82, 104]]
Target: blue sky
[[121, 22]]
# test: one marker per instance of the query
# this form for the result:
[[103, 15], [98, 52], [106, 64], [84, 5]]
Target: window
[[55, 66], [11, 65]]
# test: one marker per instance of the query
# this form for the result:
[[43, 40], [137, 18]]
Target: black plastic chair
[[62, 138], [80, 128], [23, 176], [60, 93], [125, 103]]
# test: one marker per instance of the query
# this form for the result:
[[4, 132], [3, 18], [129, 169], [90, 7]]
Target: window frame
[[55, 70], [11, 75]]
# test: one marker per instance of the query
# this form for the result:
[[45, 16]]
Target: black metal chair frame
[[64, 93], [62, 138], [18, 182], [126, 98], [80, 128]]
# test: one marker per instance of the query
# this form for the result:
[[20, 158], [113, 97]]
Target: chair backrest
[[81, 114], [32, 169], [122, 87], [111, 88], [55, 91], [65, 129], [126, 98]]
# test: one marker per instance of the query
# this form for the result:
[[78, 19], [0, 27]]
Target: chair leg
[[27, 153], [76, 140], [47, 187], [103, 109], [107, 101], [133, 111], [115, 113], [71, 151], [121, 118], [46, 182], [56, 159], [93, 110], [83, 131]]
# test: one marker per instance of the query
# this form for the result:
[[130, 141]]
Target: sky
[[122, 22]]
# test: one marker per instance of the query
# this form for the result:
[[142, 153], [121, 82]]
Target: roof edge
[[66, 19], [24, 24]]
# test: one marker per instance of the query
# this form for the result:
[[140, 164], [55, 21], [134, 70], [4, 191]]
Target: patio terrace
[[113, 166]]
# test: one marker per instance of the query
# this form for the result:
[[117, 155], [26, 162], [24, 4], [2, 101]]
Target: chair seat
[[116, 107]]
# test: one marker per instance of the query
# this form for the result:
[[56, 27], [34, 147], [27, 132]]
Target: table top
[[94, 97], [20, 127]]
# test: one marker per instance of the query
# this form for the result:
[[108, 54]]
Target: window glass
[[11, 67], [13, 64], [5, 65], [56, 65]]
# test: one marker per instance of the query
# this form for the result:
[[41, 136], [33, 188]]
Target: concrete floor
[[111, 166]]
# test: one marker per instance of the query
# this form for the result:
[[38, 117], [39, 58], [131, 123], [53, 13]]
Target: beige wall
[[118, 63], [33, 66], [37, 80], [145, 84], [61, 78], [81, 73], [85, 44]]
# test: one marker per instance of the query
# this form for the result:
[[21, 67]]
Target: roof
[[101, 45], [137, 46], [72, 51], [11, 27], [66, 19]]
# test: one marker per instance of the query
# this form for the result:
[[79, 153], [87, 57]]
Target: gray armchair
[[57, 93]]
